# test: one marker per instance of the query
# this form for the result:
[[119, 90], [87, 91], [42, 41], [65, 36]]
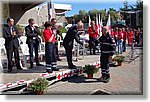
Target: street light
[[38, 13]]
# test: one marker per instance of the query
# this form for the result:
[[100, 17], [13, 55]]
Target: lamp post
[[38, 13]]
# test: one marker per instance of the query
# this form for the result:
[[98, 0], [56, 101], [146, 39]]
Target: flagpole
[[49, 5]]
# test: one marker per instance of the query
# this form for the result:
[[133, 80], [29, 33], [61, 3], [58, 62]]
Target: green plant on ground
[[90, 69], [39, 84], [119, 58]]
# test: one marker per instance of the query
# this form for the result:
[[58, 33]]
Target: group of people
[[121, 36], [32, 32], [107, 47], [124, 35], [107, 43]]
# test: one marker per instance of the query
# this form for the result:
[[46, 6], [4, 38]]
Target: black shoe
[[9, 70], [49, 70], [31, 66], [19, 68], [104, 79], [55, 69], [72, 67], [38, 64], [90, 53], [94, 53]]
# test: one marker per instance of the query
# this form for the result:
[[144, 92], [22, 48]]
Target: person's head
[[92, 23], [53, 21], [10, 21], [123, 29], [104, 31], [80, 25], [47, 25], [31, 21], [120, 30]]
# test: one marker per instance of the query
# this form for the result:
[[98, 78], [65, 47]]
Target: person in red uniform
[[116, 34], [112, 33], [130, 37], [124, 40], [120, 40], [93, 34], [50, 49]]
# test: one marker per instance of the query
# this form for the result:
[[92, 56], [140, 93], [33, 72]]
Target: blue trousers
[[104, 59], [33, 47], [50, 53], [124, 46], [119, 46]]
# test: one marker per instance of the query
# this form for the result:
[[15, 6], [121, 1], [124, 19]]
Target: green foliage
[[40, 84], [62, 30], [90, 69], [119, 58], [113, 14], [135, 7], [21, 28]]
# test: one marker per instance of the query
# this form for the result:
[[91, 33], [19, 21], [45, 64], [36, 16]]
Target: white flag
[[109, 25], [89, 21], [97, 24], [100, 24]]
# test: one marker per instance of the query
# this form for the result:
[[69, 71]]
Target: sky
[[92, 4]]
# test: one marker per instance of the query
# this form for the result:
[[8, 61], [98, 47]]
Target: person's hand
[[13, 33], [110, 58], [81, 43]]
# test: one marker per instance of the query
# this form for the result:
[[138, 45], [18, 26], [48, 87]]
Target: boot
[[104, 78]]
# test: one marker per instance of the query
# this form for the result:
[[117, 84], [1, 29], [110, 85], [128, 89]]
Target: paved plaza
[[125, 79]]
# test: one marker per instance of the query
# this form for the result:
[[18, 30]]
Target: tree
[[103, 14], [93, 13], [138, 7], [82, 14], [113, 14], [125, 16]]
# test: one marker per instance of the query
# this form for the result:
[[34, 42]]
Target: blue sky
[[92, 4]]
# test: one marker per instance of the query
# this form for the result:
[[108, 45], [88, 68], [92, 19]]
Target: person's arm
[[45, 35], [5, 35], [113, 46], [16, 33], [90, 32], [29, 34], [77, 38], [51, 38], [97, 35], [37, 31]]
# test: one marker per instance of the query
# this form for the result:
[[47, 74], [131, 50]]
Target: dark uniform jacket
[[9, 39], [107, 44], [70, 36], [30, 34]]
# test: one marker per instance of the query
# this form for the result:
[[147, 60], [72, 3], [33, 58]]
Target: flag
[[89, 21], [100, 24], [97, 24], [108, 25]]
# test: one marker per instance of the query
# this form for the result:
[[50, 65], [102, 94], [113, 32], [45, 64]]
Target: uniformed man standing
[[108, 48]]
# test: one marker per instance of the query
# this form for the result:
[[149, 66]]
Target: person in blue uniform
[[108, 48]]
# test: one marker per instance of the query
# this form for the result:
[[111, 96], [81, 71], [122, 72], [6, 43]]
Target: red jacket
[[124, 35], [113, 33], [47, 33], [120, 35], [91, 32]]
